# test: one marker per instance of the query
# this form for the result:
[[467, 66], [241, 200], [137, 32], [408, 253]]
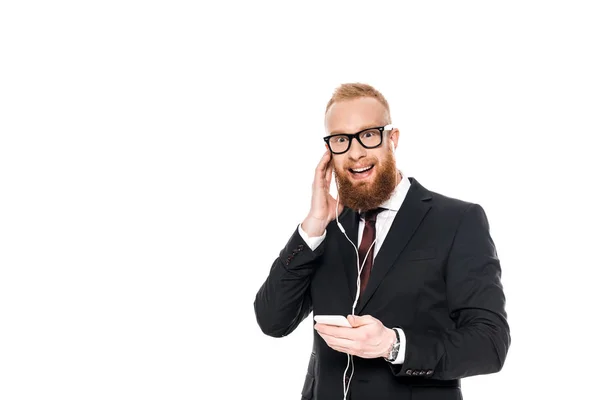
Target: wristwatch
[[395, 348]]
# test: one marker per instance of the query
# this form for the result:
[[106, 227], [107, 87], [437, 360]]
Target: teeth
[[362, 169]]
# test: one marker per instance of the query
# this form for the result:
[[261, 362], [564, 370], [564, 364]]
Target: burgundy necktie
[[367, 240]]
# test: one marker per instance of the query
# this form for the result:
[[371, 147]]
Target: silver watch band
[[395, 347]]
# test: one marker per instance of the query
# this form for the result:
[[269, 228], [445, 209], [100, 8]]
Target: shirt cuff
[[402, 350], [312, 242]]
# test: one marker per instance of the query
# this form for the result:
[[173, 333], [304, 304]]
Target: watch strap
[[393, 354]]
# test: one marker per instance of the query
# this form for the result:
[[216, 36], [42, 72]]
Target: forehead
[[351, 116]]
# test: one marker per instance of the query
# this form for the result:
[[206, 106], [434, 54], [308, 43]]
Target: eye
[[370, 134], [338, 139]]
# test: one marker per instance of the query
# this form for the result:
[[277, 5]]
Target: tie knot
[[371, 215]]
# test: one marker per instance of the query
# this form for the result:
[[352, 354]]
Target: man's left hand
[[368, 337]]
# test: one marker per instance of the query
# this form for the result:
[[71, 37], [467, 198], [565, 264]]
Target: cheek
[[381, 156], [338, 163]]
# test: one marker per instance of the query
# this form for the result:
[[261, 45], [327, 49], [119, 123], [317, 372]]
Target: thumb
[[334, 201], [358, 320]]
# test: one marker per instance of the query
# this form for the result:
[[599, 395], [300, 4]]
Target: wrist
[[390, 340], [313, 227]]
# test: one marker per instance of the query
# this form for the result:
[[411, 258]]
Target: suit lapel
[[407, 220]]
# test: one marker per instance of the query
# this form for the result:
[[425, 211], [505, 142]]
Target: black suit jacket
[[437, 276]]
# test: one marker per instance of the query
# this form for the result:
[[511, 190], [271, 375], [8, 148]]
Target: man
[[427, 308]]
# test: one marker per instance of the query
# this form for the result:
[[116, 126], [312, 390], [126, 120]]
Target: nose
[[356, 150]]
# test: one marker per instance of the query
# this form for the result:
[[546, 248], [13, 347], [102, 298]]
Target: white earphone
[[359, 270]]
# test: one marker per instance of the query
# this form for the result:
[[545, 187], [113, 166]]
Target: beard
[[364, 196]]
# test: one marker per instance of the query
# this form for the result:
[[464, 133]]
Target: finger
[[322, 166], [331, 330], [345, 344], [326, 329], [329, 173], [360, 320], [334, 200], [326, 175], [343, 348], [340, 208], [347, 351], [338, 331]]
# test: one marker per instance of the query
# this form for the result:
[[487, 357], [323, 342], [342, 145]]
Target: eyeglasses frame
[[356, 135]]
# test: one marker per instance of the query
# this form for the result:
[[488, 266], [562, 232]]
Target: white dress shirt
[[382, 227]]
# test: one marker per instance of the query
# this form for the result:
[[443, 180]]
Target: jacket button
[[409, 372], [429, 372]]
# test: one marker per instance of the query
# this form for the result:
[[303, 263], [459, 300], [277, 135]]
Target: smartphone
[[337, 320]]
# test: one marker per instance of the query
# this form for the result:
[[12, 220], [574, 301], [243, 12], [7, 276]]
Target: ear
[[394, 138]]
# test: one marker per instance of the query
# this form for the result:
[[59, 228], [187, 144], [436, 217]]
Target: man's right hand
[[322, 205]]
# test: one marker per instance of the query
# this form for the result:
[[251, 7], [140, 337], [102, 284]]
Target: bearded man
[[414, 274]]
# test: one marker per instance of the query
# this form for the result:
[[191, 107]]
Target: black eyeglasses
[[368, 138]]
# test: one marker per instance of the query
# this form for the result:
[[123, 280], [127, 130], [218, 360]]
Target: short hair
[[350, 91]]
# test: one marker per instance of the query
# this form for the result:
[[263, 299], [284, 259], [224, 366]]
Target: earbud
[[393, 145]]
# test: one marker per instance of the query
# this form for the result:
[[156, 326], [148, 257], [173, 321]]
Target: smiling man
[[413, 274]]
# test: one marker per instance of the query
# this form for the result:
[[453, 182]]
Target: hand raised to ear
[[322, 205]]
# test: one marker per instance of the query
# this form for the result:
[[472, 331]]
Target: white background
[[156, 156]]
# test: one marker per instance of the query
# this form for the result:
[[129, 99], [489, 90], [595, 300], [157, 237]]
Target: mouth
[[362, 172]]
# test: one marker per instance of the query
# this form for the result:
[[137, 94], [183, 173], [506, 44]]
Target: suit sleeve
[[283, 300], [479, 341]]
